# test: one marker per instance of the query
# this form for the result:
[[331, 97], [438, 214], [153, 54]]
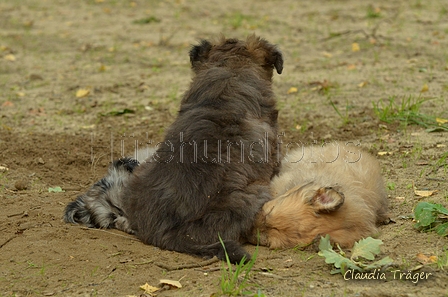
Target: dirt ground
[[84, 81]]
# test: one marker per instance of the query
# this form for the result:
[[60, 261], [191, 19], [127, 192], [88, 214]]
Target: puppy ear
[[327, 200], [199, 53], [277, 58]]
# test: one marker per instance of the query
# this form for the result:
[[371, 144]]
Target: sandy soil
[[70, 71]]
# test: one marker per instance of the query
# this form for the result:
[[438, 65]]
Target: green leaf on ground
[[366, 248], [431, 216], [55, 190]]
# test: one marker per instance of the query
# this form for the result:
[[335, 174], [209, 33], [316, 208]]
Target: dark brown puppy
[[211, 175]]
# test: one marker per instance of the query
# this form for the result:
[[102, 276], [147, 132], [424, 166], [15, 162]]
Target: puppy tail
[[76, 212], [101, 205]]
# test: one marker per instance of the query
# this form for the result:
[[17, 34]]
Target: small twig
[[10, 190], [8, 240], [272, 275], [94, 229], [268, 274], [73, 189], [187, 266], [208, 270], [107, 276], [143, 263], [346, 32], [16, 214], [436, 179]]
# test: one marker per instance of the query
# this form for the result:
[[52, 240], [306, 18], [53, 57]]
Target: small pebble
[[288, 264], [21, 185], [40, 161], [3, 168]]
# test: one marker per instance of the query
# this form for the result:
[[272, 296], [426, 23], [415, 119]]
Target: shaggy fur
[[101, 206], [211, 175], [335, 189]]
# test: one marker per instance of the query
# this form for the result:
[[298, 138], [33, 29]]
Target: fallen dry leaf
[[292, 90], [355, 47], [425, 193], [36, 111], [321, 85], [422, 193], [7, 104], [82, 93], [425, 259], [362, 84], [425, 88], [441, 121], [327, 54], [149, 289], [10, 58], [384, 153], [172, 283]]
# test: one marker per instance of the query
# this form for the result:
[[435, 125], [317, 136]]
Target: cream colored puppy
[[334, 189]]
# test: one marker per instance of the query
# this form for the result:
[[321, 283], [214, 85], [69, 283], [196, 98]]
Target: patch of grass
[[94, 271], [391, 186], [407, 112], [236, 20], [239, 20], [41, 268], [31, 264], [373, 12], [442, 162], [344, 114], [234, 281], [442, 260], [3, 181], [147, 20], [173, 94], [422, 173], [404, 164]]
